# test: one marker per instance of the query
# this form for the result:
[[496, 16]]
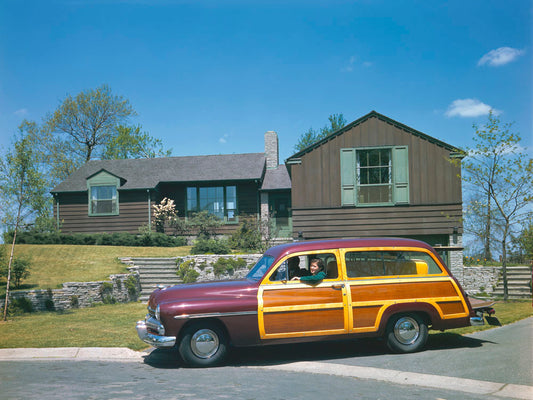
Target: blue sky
[[210, 77]]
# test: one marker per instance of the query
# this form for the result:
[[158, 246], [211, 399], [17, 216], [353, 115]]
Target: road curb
[[73, 353]]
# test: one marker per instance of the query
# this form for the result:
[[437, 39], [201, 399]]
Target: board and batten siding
[[376, 221], [434, 198], [74, 214]]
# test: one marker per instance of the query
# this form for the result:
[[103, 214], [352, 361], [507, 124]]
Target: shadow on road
[[316, 351]]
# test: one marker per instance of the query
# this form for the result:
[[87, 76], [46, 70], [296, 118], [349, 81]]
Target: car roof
[[314, 245]]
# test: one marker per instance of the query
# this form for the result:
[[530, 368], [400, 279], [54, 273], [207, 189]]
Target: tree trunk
[[10, 263], [504, 264], [486, 251]]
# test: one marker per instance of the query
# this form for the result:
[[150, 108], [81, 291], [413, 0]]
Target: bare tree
[[500, 169], [22, 192]]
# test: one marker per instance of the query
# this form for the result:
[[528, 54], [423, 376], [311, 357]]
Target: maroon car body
[[396, 288]]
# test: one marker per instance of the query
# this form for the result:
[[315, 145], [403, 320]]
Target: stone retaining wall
[[478, 280], [82, 294], [204, 266]]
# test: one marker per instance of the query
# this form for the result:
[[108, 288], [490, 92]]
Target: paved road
[[493, 364]]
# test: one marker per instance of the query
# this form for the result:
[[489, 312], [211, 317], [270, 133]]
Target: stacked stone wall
[[82, 294], [480, 280], [204, 265]]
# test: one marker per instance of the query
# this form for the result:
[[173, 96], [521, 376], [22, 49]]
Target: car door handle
[[338, 286]]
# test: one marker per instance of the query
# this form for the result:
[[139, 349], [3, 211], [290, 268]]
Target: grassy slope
[[51, 265]]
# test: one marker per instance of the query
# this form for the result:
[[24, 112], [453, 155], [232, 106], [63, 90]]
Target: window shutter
[[400, 168], [348, 177]]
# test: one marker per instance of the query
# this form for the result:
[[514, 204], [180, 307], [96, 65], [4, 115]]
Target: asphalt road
[[493, 364]]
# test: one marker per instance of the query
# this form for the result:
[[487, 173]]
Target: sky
[[211, 76]]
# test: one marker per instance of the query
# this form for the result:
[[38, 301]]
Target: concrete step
[[168, 274]]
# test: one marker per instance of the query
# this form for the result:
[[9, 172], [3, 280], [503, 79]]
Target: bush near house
[[97, 239]]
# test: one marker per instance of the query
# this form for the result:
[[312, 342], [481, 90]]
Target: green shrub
[[19, 269], [19, 306], [101, 239], [228, 265], [246, 237], [187, 273], [131, 286], [210, 246], [74, 302]]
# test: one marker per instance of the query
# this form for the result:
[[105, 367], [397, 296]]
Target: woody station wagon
[[391, 288]]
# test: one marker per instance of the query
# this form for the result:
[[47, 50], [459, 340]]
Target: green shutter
[[348, 177], [400, 169]]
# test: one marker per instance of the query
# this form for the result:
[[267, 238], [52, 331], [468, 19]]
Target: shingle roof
[[276, 179], [147, 173]]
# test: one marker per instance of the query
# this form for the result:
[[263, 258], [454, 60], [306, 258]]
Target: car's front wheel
[[406, 333], [203, 345]]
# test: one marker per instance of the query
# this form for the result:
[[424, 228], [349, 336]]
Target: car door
[[288, 308]]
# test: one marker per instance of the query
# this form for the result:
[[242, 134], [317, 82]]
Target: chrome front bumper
[[159, 341]]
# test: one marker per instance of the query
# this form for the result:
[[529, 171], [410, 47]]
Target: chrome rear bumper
[[159, 341]]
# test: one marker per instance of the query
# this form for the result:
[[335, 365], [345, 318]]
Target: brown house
[[378, 177], [117, 195]]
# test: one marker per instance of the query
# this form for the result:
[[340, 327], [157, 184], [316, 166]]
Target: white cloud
[[22, 112], [468, 108], [500, 56], [352, 62], [223, 139]]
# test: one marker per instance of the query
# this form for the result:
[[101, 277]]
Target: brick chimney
[[271, 149]]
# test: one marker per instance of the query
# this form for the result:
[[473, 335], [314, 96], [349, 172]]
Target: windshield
[[260, 268]]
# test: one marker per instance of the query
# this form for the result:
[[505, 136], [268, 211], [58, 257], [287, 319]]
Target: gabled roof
[[277, 179], [374, 114], [147, 173]]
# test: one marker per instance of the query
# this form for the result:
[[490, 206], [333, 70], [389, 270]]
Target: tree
[[499, 168], [22, 191], [525, 241], [130, 142], [89, 120], [336, 122]]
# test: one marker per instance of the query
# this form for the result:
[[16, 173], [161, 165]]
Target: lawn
[[99, 326], [51, 265], [114, 326]]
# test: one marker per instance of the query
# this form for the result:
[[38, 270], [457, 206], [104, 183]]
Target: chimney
[[271, 149]]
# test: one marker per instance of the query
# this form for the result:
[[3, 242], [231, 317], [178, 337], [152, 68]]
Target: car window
[[389, 263], [298, 266], [259, 269]]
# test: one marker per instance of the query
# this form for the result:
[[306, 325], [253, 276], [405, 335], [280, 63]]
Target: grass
[[99, 326], [506, 312], [114, 326], [51, 265]]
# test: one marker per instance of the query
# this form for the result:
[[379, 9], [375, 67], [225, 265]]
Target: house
[[378, 177], [117, 195]]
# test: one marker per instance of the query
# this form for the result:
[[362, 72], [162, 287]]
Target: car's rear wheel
[[406, 333], [203, 345]]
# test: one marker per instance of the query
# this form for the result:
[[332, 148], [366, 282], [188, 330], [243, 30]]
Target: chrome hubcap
[[406, 330], [204, 343]]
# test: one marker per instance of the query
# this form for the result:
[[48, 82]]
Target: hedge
[[98, 239]]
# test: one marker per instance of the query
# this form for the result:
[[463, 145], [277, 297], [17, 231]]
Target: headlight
[[158, 313]]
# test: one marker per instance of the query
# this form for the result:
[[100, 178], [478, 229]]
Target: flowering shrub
[[164, 212]]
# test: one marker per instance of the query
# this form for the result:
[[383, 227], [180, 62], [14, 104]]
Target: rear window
[[360, 264]]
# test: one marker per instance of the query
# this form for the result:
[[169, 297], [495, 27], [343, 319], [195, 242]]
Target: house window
[[374, 176], [103, 200], [217, 200], [103, 194]]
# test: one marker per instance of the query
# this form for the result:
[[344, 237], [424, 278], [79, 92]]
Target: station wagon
[[377, 287]]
